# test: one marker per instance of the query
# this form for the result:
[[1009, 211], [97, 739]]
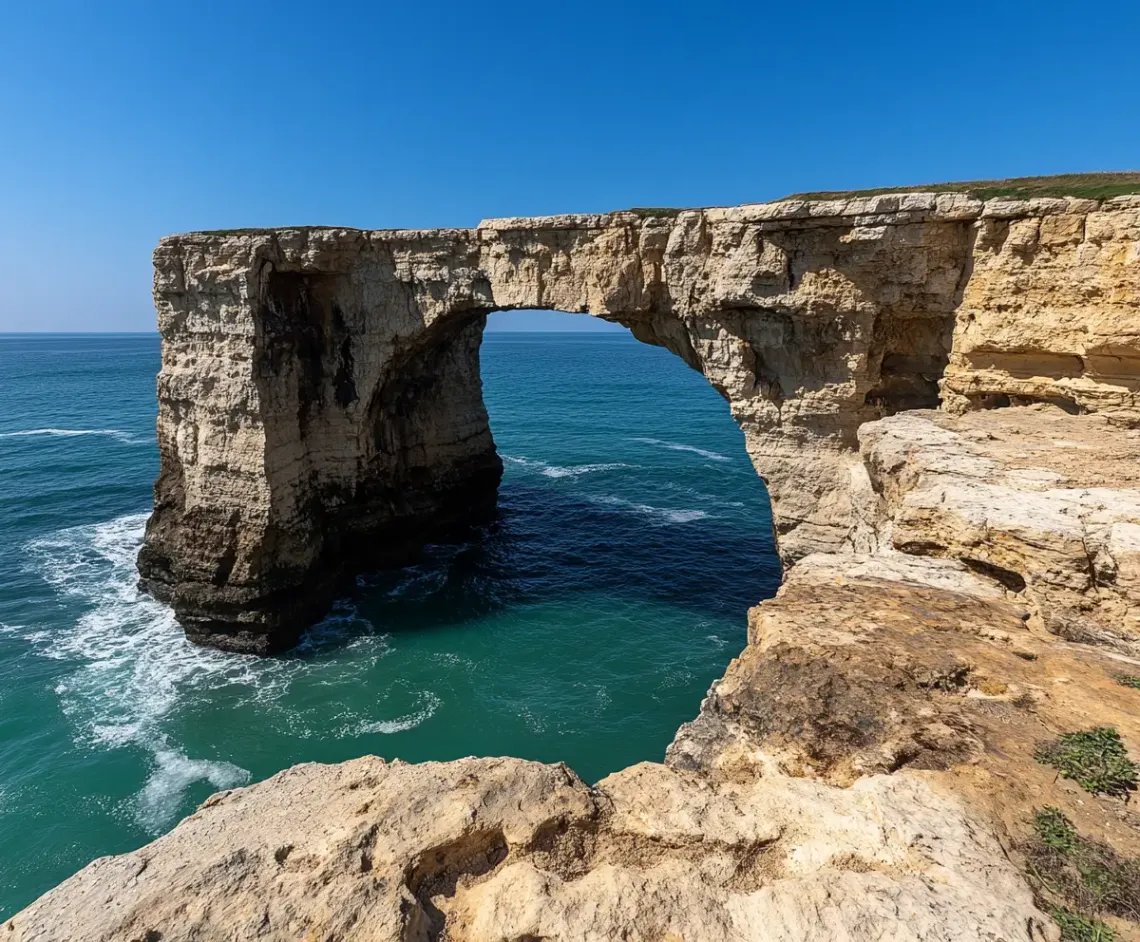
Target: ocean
[[584, 626]]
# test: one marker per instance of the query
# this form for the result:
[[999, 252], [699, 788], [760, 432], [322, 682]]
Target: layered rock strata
[[865, 769], [319, 401], [965, 585]]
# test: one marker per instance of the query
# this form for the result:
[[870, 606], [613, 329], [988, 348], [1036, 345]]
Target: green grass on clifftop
[[1096, 186], [1078, 879], [655, 212], [1095, 759]]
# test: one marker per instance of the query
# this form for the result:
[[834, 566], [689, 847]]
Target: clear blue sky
[[123, 121]]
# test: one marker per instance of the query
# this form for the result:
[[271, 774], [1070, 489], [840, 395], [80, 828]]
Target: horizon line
[[155, 333]]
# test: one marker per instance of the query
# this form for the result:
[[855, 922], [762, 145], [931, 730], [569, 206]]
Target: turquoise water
[[584, 626]]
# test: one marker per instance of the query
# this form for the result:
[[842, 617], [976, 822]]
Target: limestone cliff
[[320, 407], [867, 768], [941, 394]]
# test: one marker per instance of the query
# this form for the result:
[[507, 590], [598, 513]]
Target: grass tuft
[[1128, 680], [1096, 186], [1080, 877], [1077, 928], [1095, 759], [1054, 830]]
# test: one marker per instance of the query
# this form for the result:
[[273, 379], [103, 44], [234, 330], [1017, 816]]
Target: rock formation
[[867, 768], [942, 396], [320, 407], [502, 849]]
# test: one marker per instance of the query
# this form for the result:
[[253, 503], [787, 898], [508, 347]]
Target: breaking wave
[[676, 446], [556, 471], [117, 434]]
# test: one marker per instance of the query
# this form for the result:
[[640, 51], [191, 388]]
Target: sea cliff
[[941, 393]]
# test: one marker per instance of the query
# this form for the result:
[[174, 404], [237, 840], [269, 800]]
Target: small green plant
[[1080, 877], [1054, 830], [1128, 680], [1095, 759], [1077, 928], [656, 212]]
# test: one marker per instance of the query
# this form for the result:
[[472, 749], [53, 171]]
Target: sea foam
[[657, 515], [156, 806], [677, 446], [558, 471], [117, 434], [429, 703], [131, 668]]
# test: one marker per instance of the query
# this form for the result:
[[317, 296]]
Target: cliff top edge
[[999, 199]]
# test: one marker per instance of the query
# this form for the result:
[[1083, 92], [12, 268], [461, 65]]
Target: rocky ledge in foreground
[[927, 740]]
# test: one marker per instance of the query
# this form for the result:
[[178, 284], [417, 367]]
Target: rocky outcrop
[[867, 767], [501, 849], [1045, 504], [941, 395], [319, 401]]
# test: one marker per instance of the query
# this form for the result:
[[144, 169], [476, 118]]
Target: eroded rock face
[[1049, 312], [498, 850], [304, 440], [1044, 504], [965, 581], [320, 406]]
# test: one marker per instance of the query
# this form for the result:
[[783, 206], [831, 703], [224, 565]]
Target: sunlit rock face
[[320, 407], [942, 397], [321, 441]]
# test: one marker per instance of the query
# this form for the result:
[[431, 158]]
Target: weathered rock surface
[[501, 849], [320, 406], [966, 579], [1044, 503], [864, 770]]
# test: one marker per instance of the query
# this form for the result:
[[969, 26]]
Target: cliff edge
[[321, 412], [930, 734]]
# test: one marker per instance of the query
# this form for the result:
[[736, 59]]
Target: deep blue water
[[585, 626]]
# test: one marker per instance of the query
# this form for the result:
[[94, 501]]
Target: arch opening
[[587, 619]]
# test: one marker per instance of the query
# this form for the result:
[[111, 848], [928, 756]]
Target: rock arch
[[320, 404]]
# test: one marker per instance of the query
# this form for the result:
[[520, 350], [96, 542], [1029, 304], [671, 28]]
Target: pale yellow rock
[[1044, 503], [492, 850], [865, 768]]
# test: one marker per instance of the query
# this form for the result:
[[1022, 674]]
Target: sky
[[123, 121]]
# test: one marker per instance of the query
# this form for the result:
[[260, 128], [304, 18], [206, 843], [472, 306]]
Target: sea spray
[[132, 668], [583, 625]]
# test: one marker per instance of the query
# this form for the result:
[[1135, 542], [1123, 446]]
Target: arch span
[[320, 406]]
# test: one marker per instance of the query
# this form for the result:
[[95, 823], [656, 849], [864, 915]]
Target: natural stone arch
[[320, 406]]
